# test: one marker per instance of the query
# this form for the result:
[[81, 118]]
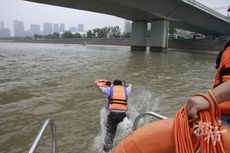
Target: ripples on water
[[40, 81]]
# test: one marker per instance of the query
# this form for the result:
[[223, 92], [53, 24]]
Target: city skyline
[[36, 13], [47, 28], [27, 27]]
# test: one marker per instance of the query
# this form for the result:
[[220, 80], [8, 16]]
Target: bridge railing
[[206, 9]]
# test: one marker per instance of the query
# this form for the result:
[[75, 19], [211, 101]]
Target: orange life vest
[[222, 75], [118, 98]]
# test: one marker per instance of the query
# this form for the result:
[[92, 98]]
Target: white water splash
[[143, 102], [99, 139], [123, 129]]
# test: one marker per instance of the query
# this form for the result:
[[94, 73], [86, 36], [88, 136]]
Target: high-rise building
[[47, 28], [127, 26], [73, 29], [57, 28], [1, 25], [19, 29], [4, 32], [62, 27], [80, 27], [34, 29]]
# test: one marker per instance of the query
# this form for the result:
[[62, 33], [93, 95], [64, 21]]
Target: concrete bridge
[[184, 14]]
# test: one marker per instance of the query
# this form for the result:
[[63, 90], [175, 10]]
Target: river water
[[56, 81]]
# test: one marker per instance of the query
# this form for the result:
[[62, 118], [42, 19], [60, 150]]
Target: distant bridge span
[[184, 14]]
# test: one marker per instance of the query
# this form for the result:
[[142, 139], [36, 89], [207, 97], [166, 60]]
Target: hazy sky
[[34, 13]]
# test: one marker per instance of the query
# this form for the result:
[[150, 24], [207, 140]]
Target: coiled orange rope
[[208, 136]]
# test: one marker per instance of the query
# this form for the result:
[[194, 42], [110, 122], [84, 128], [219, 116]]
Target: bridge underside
[[181, 14]]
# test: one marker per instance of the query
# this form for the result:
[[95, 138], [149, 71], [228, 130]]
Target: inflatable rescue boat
[[180, 135]]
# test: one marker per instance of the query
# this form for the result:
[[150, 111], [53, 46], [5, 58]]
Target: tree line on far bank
[[106, 32]]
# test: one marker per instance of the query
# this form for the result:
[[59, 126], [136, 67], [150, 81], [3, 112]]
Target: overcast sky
[[34, 13]]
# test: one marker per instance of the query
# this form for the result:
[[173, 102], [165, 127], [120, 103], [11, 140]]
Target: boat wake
[[136, 105], [123, 129]]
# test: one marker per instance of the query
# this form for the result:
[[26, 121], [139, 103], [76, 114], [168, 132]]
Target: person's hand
[[195, 104], [130, 85], [96, 84]]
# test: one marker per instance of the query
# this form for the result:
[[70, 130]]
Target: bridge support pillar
[[138, 36], [159, 35]]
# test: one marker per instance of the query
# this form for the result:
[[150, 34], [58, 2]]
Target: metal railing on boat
[[40, 134], [156, 115]]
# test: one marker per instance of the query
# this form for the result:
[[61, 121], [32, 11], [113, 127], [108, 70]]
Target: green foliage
[[90, 34], [115, 32], [56, 35], [106, 32], [172, 30], [67, 34], [77, 35], [36, 36], [126, 35]]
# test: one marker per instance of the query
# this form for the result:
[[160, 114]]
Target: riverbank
[[201, 45]]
